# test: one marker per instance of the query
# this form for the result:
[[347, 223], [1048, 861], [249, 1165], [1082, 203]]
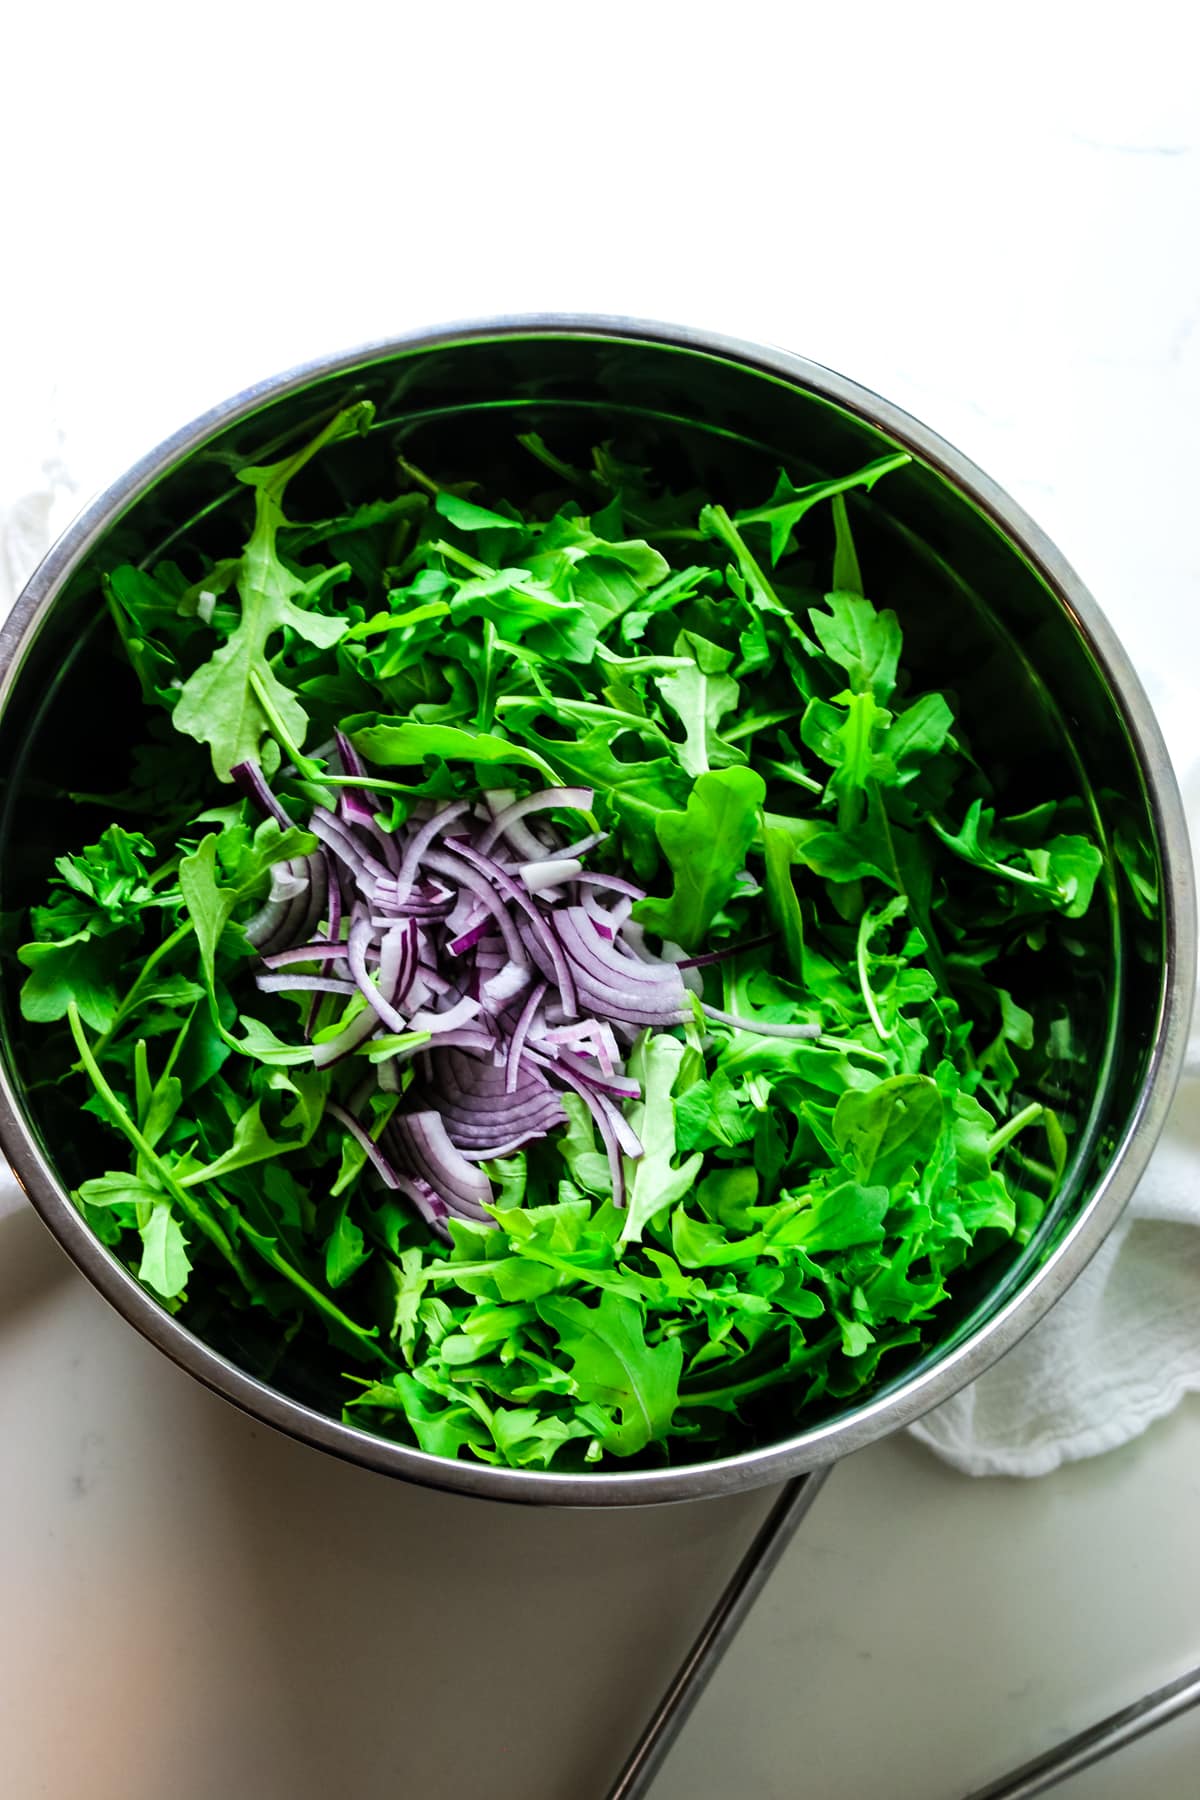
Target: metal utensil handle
[[715, 1636], [1098, 1741]]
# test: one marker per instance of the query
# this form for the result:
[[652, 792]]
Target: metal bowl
[[984, 599]]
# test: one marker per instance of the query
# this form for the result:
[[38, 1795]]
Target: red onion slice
[[356, 957], [253, 783], [423, 1149], [516, 1043], [320, 951], [417, 845], [375, 1155], [305, 984], [469, 877], [461, 1013], [504, 985], [550, 874], [544, 800]]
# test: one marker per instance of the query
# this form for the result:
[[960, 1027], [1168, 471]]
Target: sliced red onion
[[549, 874], [473, 1117], [436, 983], [468, 939], [516, 1043], [616, 1087], [317, 894], [593, 1092], [363, 864], [264, 926], [352, 763], [461, 1013], [289, 880], [321, 951], [596, 1039], [420, 841], [528, 1128], [469, 877], [505, 985], [379, 1162], [431, 1206], [490, 1152], [253, 783], [355, 811], [305, 984], [397, 961], [356, 957], [502, 901], [333, 894], [507, 823], [465, 1037], [484, 1081], [604, 963], [279, 921], [423, 1149], [582, 845], [603, 1114], [616, 884]]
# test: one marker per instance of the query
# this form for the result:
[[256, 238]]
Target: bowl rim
[[860, 1425]]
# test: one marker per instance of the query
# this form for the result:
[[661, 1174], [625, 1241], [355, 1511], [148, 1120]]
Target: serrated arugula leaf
[[655, 1180], [706, 847], [635, 1383], [165, 1265], [234, 699]]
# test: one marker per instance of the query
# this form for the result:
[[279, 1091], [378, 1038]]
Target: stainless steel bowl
[[984, 598]]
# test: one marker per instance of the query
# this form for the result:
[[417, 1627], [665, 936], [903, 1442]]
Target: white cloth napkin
[[1122, 1347]]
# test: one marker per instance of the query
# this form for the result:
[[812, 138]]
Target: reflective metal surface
[[983, 597], [716, 1635], [1103, 1739]]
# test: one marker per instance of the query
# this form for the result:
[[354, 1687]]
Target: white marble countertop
[[994, 223]]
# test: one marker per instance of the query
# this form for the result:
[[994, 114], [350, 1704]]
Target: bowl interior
[[979, 619]]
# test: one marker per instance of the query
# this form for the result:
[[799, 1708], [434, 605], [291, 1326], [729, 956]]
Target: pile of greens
[[762, 765]]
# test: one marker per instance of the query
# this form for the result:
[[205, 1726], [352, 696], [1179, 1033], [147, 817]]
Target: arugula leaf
[[80, 969], [654, 1181], [468, 517], [636, 1384], [235, 698], [393, 743], [346, 1250], [839, 1218], [211, 905], [782, 901], [165, 1265], [706, 846], [1061, 874], [889, 1128], [789, 504], [862, 641], [700, 694]]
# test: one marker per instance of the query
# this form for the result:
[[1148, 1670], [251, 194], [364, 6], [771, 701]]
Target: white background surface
[[992, 218]]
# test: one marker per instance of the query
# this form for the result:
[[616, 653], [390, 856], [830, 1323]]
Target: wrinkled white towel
[[1119, 1351]]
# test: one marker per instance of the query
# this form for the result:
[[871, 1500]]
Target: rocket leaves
[[812, 836]]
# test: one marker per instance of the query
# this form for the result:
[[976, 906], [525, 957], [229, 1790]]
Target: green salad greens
[[740, 1079]]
